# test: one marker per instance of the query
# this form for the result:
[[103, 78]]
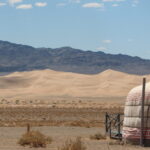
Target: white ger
[[132, 115]]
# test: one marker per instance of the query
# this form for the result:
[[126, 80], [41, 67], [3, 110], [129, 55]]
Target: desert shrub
[[80, 124], [17, 102], [115, 142], [73, 145], [34, 139], [48, 140], [97, 136]]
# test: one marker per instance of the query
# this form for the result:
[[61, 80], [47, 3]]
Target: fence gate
[[113, 125]]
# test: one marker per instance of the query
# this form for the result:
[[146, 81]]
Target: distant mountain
[[17, 57]]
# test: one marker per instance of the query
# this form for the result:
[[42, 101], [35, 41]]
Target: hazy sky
[[112, 26]]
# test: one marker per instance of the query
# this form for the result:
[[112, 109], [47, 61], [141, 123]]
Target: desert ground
[[9, 137], [62, 106]]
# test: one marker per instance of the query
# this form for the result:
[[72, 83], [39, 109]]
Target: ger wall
[[132, 115]]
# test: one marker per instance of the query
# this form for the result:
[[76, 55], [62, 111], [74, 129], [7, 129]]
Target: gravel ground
[[10, 135]]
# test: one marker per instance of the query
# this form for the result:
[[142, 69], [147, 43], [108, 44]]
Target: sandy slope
[[47, 83]]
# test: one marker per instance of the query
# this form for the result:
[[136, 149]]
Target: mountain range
[[17, 57]]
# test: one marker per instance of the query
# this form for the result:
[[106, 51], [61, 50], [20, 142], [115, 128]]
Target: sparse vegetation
[[34, 139], [115, 142], [73, 145], [97, 136], [80, 123], [17, 101]]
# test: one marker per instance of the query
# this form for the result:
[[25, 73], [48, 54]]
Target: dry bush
[[115, 142], [80, 124], [97, 136], [34, 139], [73, 145]]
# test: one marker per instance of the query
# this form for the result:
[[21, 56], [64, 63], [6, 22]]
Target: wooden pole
[[28, 127], [119, 130], [142, 113], [106, 122]]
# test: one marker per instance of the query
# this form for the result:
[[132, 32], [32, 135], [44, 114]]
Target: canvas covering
[[132, 114]]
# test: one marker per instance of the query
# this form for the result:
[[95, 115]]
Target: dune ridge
[[46, 83]]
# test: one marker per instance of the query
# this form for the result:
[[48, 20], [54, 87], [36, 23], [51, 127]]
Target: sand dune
[[47, 83]]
